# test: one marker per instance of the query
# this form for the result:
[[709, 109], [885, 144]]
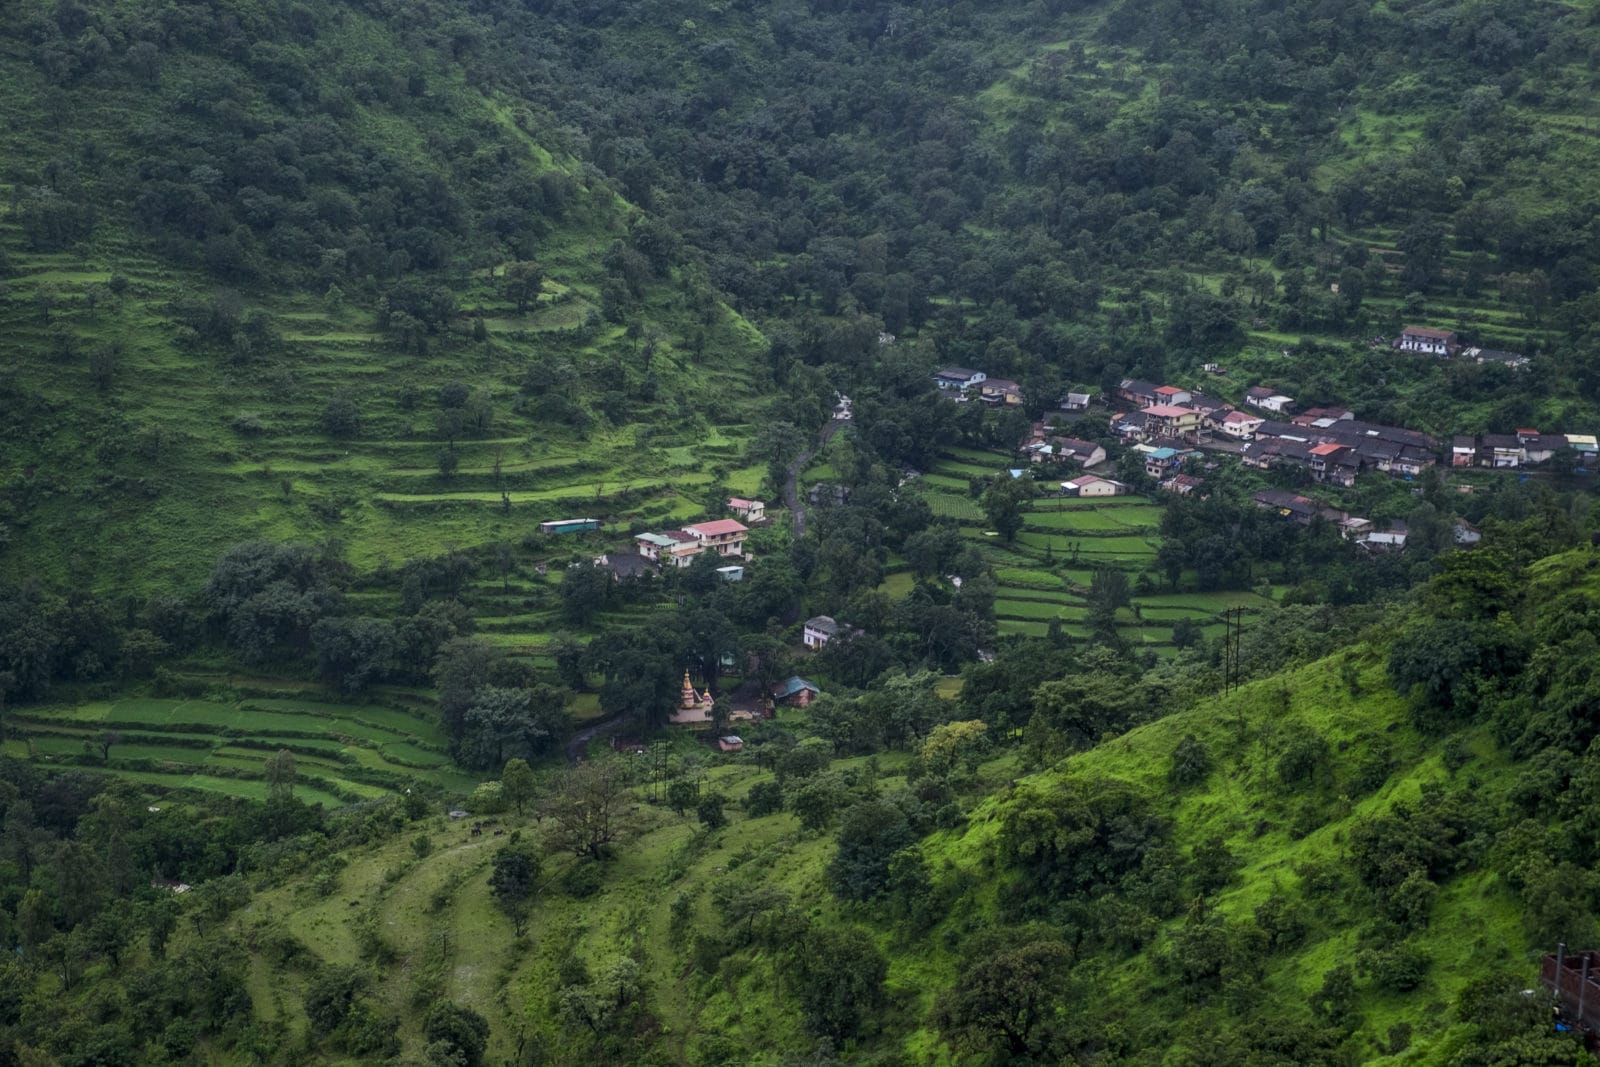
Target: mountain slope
[[209, 251]]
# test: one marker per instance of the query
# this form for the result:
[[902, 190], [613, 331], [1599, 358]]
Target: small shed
[[730, 743], [567, 526]]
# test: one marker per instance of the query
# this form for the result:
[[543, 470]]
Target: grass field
[[343, 752], [1044, 572]]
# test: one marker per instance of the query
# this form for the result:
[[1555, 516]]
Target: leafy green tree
[[710, 812], [585, 592], [351, 652], [462, 1033], [513, 882], [870, 835], [341, 417], [520, 785], [816, 802], [838, 976], [1010, 983], [764, 798], [682, 794], [523, 280]]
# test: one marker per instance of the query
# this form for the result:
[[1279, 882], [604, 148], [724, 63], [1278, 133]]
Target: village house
[[1259, 396], [1207, 406], [1335, 463], [731, 573], [1171, 420], [1000, 391], [673, 548], [1585, 446], [1501, 451], [1322, 416], [1129, 427], [1390, 539], [726, 537], [730, 743], [1510, 360], [625, 565], [1091, 485], [1080, 451], [1291, 506], [1238, 425], [1428, 341], [1138, 392], [818, 631], [1171, 394], [958, 379], [1076, 402], [1463, 450], [1540, 447], [1161, 462], [1183, 484], [795, 693], [751, 511]]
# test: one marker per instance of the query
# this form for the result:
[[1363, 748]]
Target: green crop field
[[360, 751]]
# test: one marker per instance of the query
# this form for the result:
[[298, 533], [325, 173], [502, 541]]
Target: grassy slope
[[141, 488], [1475, 924]]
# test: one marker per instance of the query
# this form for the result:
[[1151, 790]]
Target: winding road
[[791, 482]]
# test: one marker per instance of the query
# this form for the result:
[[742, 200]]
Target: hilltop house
[[1000, 391], [674, 548], [1171, 420], [1075, 402], [1088, 485], [1259, 396], [751, 511], [1183, 484], [795, 693], [1239, 425], [624, 565], [1138, 392], [819, 630], [958, 379], [726, 537], [1510, 360], [1428, 341]]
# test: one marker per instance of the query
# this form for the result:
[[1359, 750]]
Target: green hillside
[[1312, 868], [315, 748]]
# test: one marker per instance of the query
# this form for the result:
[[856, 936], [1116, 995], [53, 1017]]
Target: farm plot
[[343, 752]]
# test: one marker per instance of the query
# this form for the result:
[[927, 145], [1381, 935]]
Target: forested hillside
[[324, 739]]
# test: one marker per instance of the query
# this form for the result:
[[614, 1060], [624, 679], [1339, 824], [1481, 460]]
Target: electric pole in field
[[1232, 630]]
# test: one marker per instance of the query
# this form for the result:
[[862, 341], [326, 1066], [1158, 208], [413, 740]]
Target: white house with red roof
[[725, 537]]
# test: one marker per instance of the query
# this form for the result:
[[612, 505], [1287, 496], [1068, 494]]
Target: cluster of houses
[[963, 383], [651, 551], [1330, 443], [1429, 341], [1523, 448]]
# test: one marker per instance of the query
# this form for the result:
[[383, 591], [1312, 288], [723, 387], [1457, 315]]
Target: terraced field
[[1044, 574], [343, 752]]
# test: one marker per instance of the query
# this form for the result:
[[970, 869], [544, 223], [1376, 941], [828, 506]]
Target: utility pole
[[1232, 629]]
